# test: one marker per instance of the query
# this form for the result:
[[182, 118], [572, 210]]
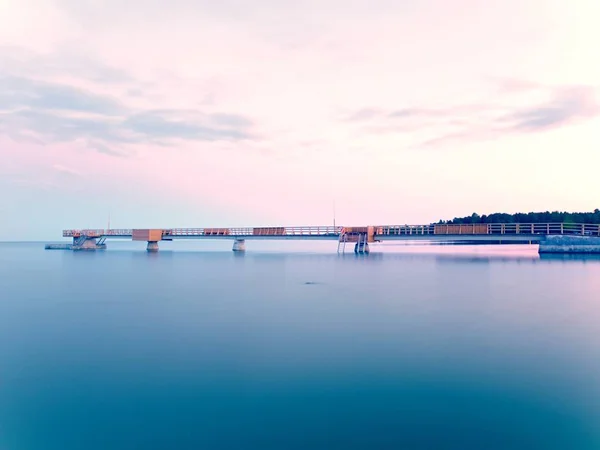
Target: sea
[[298, 347]]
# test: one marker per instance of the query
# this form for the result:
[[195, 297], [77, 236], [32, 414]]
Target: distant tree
[[531, 217]]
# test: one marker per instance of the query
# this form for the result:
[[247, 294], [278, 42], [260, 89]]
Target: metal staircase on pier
[[342, 242], [79, 241]]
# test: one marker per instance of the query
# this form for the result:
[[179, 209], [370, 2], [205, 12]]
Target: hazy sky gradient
[[202, 113]]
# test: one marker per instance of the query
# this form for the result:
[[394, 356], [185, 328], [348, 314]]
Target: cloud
[[19, 92], [51, 126], [457, 137], [166, 124], [135, 92], [53, 112], [409, 112], [23, 62], [516, 85], [366, 114], [66, 170], [564, 105], [109, 149], [43, 110]]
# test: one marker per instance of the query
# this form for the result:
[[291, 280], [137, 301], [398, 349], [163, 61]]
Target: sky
[[196, 113]]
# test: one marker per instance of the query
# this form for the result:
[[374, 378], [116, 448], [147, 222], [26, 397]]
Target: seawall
[[570, 244]]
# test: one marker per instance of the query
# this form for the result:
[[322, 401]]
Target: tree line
[[531, 217]]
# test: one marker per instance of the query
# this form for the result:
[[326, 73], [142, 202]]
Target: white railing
[[255, 231], [491, 228], [384, 230], [98, 233]]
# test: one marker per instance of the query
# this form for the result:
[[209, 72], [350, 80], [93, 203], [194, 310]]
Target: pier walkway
[[555, 237]]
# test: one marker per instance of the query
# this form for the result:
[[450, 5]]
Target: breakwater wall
[[570, 244]]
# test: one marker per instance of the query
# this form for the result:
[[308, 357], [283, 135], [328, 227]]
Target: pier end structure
[[83, 242]]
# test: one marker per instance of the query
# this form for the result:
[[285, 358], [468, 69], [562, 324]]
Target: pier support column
[[362, 244], [361, 248], [152, 246], [239, 245]]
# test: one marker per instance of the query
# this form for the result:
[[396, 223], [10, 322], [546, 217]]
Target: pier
[[551, 237]]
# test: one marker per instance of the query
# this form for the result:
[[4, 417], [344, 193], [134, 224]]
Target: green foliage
[[531, 217]]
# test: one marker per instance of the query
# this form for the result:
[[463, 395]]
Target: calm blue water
[[429, 349]]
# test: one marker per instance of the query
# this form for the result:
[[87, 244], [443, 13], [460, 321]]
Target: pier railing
[[492, 228], [121, 232], [385, 230], [256, 231]]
